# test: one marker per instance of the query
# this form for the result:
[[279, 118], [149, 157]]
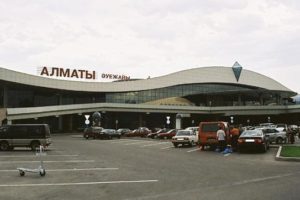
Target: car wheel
[[175, 145], [42, 172], [34, 145], [10, 148], [4, 146], [192, 143], [86, 137], [279, 141], [22, 173], [165, 137]]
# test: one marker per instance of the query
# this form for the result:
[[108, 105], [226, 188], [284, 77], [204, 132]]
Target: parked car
[[268, 125], [193, 128], [109, 134], [185, 137], [167, 135], [275, 135], [282, 127], [253, 140], [92, 132], [154, 134], [141, 132], [122, 131]]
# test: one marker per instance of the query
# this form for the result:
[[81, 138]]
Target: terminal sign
[[77, 73]]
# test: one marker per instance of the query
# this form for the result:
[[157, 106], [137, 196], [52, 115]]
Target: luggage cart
[[41, 170]]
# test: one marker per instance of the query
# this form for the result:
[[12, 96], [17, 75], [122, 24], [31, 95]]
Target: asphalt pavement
[[140, 168]]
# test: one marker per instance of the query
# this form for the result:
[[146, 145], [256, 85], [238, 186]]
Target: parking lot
[[140, 168]]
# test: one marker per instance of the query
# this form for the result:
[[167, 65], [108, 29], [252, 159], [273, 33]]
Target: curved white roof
[[215, 74]]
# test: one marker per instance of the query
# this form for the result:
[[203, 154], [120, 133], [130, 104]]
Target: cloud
[[149, 37]]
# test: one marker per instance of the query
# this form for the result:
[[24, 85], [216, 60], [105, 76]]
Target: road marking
[[262, 179], [121, 141], [156, 143], [76, 184], [48, 161], [140, 142], [65, 170], [193, 150], [168, 147], [23, 156]]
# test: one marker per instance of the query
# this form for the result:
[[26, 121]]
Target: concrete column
[[178, 121], [60, 123], [70, 122]]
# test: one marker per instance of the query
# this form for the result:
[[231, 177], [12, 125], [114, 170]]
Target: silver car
[[275, 135]]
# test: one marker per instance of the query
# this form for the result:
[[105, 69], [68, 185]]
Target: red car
[[141, 132], [168, 135], [155, 134]]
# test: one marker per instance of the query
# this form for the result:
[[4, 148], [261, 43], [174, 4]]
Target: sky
[[142, 38]]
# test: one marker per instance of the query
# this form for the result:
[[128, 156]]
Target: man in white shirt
[[221, 137]]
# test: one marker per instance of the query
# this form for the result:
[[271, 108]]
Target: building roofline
[[202, 75]]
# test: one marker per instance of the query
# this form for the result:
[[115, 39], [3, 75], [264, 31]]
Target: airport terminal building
[[199, 94]]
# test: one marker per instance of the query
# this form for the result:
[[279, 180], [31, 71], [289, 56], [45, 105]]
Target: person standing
[[234, 133], [221, 137]]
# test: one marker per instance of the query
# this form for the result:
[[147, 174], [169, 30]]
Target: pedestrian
[[234, 134], [292, 137], [221, 137]]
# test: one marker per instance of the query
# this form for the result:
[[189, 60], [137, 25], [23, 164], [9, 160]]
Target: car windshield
[[179, 133], [270, 131], [251, 133], [214, 127]]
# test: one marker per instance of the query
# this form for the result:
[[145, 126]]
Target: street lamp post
[[168, 121]]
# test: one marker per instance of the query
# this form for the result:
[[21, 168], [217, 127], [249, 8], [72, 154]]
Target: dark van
[[24, 135]]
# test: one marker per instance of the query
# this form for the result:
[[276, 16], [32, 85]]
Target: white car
[[185, 137], [275, 135]]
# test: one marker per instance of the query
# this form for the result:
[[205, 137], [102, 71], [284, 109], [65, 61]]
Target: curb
[[281, 158]]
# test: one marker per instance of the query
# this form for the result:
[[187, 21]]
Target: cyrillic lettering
[[54, 70], [90, 76], [81, 72], [74, 74], [65, 73], [44, 71]]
